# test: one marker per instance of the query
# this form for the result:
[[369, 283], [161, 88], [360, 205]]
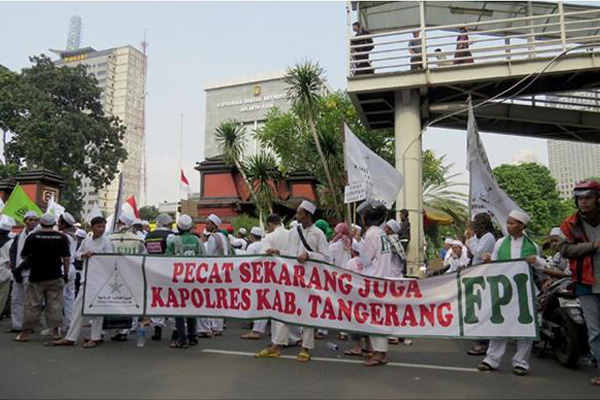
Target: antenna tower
[[74, 37], [144, 45]]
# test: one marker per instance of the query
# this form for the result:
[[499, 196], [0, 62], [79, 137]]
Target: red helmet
[[586, 188]]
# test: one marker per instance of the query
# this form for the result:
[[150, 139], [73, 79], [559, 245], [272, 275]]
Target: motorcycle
[[562, 323]]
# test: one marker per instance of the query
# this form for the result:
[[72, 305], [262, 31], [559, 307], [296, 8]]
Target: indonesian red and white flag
[[185, 184], [130, 207]]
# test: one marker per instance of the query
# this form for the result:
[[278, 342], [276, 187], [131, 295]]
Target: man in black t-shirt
[[47, 254]]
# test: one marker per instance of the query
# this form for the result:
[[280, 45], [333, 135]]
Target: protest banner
[[488, 301]]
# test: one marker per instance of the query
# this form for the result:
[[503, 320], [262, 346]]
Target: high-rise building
[[572, 162], [120, 74]]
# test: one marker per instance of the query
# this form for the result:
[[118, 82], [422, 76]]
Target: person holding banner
[[97, 243], [304, 242], [66, 224], [256, 247], [20, 272], [378, 261], [216, 245], [189, 245], [581, 247], [516, 245]]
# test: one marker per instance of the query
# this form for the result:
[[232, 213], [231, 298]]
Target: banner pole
[[345, 151]]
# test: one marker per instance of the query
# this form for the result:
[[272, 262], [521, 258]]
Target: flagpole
[[119, 203], [180, 163], [345, 151]]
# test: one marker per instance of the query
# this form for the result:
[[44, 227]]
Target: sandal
[[61, 342], [119, 337], [303, 356], [477, 350], [374, 362], [205, 335], [250, 336], [178, 345], [90, 344], [595, 381], [267, 353], [20, 339], [193, 342]]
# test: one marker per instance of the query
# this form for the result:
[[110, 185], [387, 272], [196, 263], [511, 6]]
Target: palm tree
[[261, 169], [304, 82], [230, 136]]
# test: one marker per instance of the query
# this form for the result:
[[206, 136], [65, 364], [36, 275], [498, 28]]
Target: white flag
[[364, 166], [485, 195], [94, 212], [54, 208]]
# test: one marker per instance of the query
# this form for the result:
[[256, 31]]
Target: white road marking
[[346, 361]]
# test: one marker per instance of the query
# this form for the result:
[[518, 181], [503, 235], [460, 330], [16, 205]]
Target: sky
[[192, 44]]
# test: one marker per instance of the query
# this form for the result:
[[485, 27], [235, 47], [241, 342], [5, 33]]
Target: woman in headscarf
[[341, 246]]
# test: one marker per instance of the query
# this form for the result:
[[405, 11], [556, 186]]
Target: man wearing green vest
[[185, 244], [516, 245]]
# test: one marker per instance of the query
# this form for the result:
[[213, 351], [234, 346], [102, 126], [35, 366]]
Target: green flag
[[19, 204]]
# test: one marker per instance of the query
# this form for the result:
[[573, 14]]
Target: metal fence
[[495, 41]]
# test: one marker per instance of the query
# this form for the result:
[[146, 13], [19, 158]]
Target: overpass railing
[[494, 41]]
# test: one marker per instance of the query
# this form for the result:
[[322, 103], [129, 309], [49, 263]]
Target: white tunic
[[457, 262], [278, 240], [254, 248], [376, 255], [339, 253], [480, 246], [316, 240], [5, 274], [96, 246], [212, 249]]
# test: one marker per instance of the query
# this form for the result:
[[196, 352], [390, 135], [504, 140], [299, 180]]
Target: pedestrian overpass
[[535, 72]]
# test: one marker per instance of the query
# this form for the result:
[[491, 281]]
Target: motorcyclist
[[582, 232]]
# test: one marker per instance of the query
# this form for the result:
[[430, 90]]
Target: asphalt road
[[225, 368]]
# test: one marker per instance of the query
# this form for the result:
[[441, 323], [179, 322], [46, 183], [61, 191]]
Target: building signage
[[254, 103], [79, 57]]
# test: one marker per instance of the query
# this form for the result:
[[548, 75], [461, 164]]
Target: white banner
[[354, 193], [488, 301], [364, 166], [485, 195]]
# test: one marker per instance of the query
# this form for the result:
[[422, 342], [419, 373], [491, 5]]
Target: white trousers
[[497, 349], [68, 300], [78, 320], [204, 325], [379, 343], [217, 324], [17, 303], [260, 325], [282, 336]]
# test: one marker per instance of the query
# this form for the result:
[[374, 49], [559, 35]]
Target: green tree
[[531, 186], [148, 213], [262, 171], [52, 118]]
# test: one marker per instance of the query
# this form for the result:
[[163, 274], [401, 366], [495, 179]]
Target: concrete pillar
[[407, 132]]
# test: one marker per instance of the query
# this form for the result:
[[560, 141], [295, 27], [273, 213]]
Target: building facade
[[120, 74], [572, 162], [247, 100]]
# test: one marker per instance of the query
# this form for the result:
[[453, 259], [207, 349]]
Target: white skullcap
[[448, 241], [184, 222], [48, 219], [30, 214], [7, 223], [557, 232], [256, 231], [520, 216], [145, 223], [457, 243], [164, 220], [308, 206], [137, 221], [358, 228], [394, 226], [356, 246], [243, 231], [126, 219], [80, 233], [68, 218], [214, 219]]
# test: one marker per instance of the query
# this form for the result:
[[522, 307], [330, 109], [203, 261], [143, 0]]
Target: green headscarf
[[324, 226]]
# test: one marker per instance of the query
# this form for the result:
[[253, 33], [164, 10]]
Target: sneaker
[[520, 371]]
